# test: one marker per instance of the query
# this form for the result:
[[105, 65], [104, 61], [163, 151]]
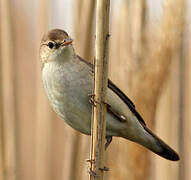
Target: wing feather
[[121, 95]]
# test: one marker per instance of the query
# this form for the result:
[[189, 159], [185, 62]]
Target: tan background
[[150, 52]]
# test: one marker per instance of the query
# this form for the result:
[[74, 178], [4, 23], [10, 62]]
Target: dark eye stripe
[[57, 45]]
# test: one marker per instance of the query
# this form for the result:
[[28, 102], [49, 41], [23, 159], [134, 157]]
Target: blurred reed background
[[150, 52]]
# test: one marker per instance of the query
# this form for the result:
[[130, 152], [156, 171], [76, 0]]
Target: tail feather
[[164, 150]]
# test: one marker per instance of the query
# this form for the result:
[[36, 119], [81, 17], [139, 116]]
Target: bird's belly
[[70, 103], [69, 96], [76, 114]]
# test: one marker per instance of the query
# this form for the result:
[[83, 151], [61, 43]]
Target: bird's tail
[[156, 145]]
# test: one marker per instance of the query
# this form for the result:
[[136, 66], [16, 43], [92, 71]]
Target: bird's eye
[[50, 45]]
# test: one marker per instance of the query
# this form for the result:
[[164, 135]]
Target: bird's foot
[[108, 139], [91, 172], [108, 36], [93, 101], [104, 169], [90, 160]]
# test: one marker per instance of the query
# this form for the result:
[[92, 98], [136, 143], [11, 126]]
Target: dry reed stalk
[[154, 71], [160, 167], [150, 74], [84, 20], [184, 99], [100, 90], [2, 168], [120, 59], [167, 115], [70, 154], [131, 38], [174, 129], [134, 59], [84, 23], [137, 26], [44, 114], [8, 99], [185, 137], [78, 11]]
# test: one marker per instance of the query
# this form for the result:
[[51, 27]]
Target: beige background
[[150, 56]]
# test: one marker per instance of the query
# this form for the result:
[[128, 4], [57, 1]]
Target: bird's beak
[[67, 42]]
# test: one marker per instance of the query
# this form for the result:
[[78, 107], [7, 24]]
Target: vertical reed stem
[[100, 90]]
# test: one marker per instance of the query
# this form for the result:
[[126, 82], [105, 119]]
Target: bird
[[67, 80]]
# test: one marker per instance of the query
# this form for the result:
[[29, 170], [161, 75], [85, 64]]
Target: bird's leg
[[90, 160], [108, 139], [92, 173], [104, 169], [92, 99]]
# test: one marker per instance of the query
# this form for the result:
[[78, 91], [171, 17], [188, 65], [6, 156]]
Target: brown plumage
[[55, 35]]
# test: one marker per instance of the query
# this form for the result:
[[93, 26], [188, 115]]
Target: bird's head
[[54, 45]]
